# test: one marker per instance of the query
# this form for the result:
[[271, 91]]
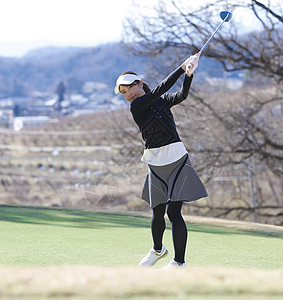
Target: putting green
[[57, 237]]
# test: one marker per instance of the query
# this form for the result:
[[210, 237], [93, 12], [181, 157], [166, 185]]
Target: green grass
[[48, 254], [56, 237]]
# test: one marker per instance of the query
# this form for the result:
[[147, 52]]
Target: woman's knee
[[158, 212], [174, 210]]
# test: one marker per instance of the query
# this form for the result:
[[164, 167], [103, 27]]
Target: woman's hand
[[190, 64]]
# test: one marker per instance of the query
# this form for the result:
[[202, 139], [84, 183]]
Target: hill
[[42, 69]]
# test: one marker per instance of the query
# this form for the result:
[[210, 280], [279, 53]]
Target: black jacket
[[152, 113]]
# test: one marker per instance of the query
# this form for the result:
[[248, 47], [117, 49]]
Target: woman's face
[[132, 91]]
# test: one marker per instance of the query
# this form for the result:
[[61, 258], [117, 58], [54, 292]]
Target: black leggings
[[179, 228]]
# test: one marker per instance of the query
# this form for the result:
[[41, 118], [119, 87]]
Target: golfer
[[171, 179]]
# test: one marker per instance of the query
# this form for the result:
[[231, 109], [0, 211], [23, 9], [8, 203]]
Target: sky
[[29, 24], [26, 24]]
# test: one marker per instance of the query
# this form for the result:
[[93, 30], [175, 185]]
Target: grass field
[[72, 254]]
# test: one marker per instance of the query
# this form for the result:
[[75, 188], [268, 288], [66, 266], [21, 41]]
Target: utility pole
[[252, 196]]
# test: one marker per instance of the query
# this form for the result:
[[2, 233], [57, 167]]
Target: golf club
[[226, 17]]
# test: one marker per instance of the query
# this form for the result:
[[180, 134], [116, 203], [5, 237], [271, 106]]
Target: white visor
[[125, 80]]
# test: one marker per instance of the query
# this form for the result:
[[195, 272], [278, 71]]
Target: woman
[[171, 180]]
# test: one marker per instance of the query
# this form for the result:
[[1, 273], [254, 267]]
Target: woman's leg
[[157, 228], [179, 230], [158, 225]]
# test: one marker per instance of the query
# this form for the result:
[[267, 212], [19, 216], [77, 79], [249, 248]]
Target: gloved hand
[[190, 64]]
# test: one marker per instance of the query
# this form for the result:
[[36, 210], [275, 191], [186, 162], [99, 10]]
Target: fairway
[[57, 237], [49, 254]]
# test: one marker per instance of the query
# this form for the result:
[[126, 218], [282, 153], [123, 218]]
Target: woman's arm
[[189, 66], [182, 94], [144, 102]]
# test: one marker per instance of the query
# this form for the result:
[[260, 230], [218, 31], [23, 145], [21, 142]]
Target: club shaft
[[213, 34]]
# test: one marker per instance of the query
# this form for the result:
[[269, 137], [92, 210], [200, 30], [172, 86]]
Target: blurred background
[[68, 141]]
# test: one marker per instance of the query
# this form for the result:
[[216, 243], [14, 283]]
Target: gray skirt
[[174, 182]]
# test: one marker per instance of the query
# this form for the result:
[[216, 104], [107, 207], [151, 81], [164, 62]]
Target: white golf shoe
[[152, 257], [174, 265]]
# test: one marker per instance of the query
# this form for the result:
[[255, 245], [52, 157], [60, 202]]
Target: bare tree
[[174, 25], [60, 91], [234, 128]]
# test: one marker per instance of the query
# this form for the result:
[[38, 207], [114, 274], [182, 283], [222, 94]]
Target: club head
[[226, 15]]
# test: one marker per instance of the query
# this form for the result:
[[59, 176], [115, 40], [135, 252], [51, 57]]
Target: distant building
[[20, 122]]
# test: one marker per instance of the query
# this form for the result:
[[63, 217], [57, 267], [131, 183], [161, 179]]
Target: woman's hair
[[146, 88]]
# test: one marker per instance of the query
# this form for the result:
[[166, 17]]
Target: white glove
[[191, 64]]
